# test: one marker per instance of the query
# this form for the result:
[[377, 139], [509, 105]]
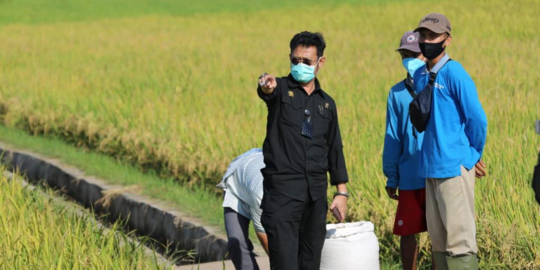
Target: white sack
[[350, 246]]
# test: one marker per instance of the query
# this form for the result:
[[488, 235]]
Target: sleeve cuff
[[266, 97], [338, 177], [257, 224], [392, 182]]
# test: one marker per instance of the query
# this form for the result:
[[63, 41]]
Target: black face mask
[[432, 50]]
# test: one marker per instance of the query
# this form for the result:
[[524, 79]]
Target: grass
[[195, 201], [191, 200], [52, 11], [175, 94], [39, 233]]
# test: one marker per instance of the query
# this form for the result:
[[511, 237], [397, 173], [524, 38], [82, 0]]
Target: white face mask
[[304, 73]]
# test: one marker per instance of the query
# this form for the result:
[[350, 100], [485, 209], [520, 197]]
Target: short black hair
[[308, 39]]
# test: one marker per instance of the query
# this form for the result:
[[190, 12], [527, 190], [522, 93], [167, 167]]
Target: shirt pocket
[[323, 120], [273, 200], [291, 112]]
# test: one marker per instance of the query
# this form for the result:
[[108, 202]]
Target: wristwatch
[[338, 193]]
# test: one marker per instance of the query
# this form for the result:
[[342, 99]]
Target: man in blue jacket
[[452, 147], [400, 155]]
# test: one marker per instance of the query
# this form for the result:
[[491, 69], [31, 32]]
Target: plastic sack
[[350, 246]]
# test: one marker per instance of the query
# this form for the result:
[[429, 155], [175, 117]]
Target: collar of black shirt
[[294, 84]]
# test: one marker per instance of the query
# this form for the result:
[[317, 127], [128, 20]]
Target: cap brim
[[409, 48], [431, 28]]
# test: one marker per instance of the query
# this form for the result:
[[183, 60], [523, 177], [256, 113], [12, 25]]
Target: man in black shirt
[[303, 143]]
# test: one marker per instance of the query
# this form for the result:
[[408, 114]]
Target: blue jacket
[[456, 131], [401, 149]]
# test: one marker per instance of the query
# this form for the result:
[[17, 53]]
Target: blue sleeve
[[393, 146], [473, 113]]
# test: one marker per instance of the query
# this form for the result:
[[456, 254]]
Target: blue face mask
[[412, 64], [303, 73]]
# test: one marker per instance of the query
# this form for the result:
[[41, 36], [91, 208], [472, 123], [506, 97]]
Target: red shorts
[[411, 212]]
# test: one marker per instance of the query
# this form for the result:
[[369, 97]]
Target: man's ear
[[447, 41], [321, 61]]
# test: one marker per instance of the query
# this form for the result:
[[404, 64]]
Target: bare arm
[[264, 240], [340, 202]]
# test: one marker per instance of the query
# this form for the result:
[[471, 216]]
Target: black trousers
[[296, 231]]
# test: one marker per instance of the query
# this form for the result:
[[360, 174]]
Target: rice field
[[39, 233], [171, 88]]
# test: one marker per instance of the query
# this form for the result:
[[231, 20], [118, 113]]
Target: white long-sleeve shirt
[[243, 186]]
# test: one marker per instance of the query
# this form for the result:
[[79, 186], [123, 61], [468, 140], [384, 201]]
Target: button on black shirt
[[292, 158]]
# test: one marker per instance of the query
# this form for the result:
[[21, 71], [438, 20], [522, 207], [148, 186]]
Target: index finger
[[262, 76]]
